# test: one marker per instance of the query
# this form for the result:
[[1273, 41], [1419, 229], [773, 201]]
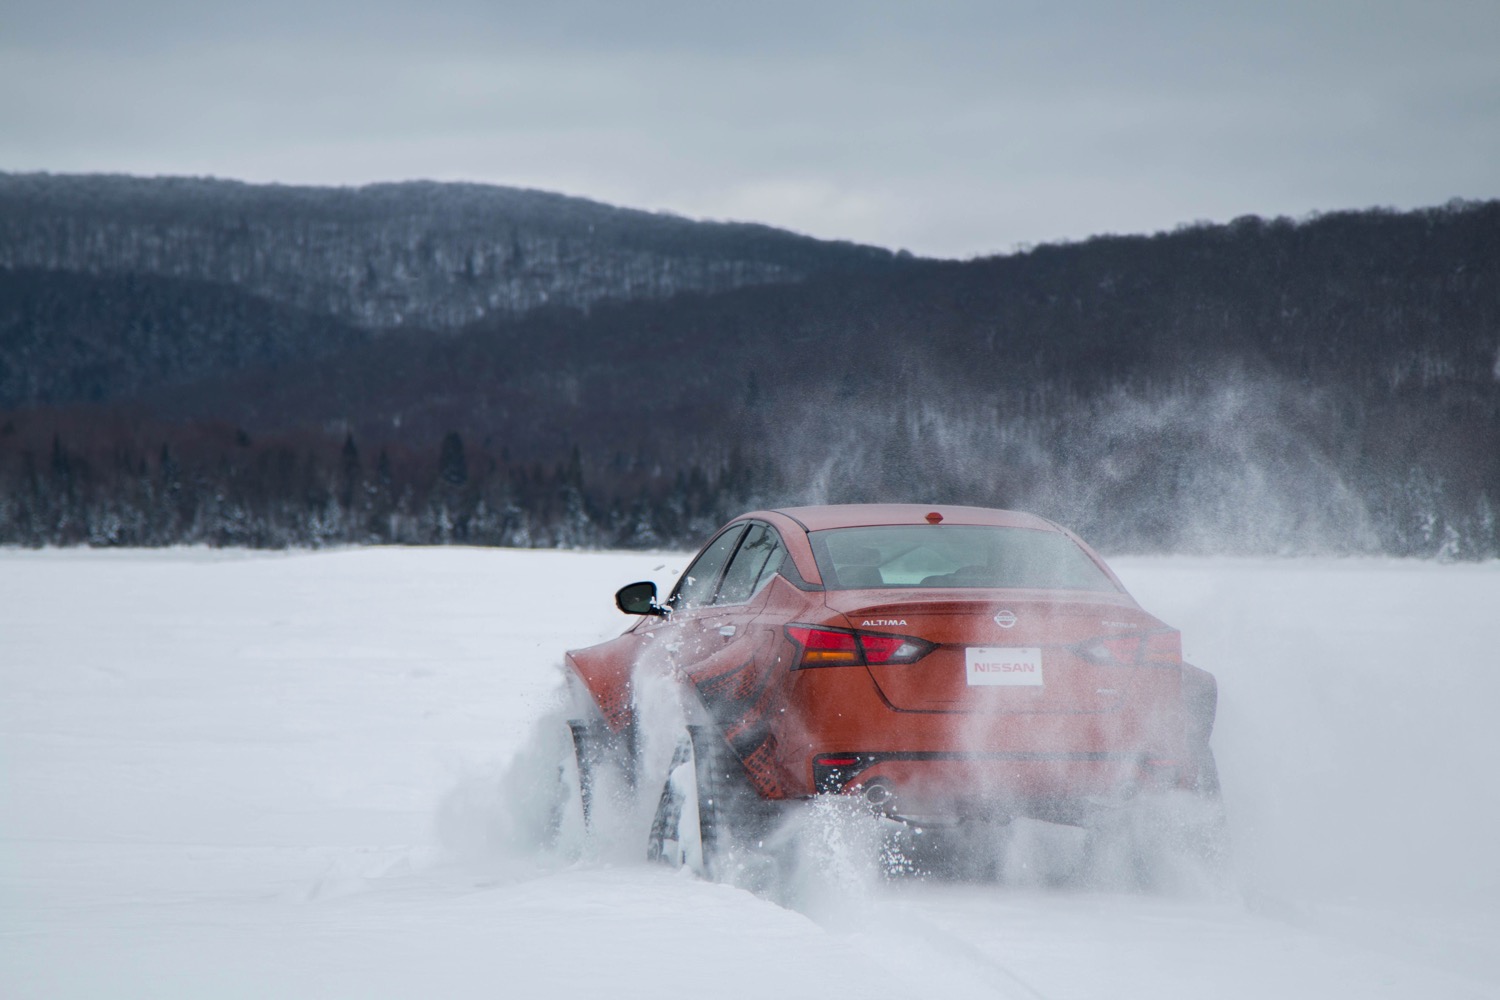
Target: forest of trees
[[219, 487], [1267, 386]]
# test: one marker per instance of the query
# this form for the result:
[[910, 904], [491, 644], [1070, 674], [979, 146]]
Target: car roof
[[871, 514]]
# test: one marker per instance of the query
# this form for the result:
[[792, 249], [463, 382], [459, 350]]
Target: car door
[[659, 646], [684, 636], [736, 645], [727, 621]]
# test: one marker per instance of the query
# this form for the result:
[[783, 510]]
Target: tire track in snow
[[941, 963]]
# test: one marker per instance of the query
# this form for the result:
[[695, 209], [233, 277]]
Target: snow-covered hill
[[225, 775], [418, 254]]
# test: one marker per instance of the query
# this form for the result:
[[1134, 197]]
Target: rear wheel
[[1203, 830], [676, 835], [708, 818], [1206, 784], [1164, 839], [605, 762], [685, 832]]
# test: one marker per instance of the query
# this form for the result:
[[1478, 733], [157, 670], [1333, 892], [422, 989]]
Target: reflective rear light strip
[[822, 646]]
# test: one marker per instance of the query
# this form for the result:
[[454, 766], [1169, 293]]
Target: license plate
[[1004, 666]]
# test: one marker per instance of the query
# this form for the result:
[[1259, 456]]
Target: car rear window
[[954, 555]]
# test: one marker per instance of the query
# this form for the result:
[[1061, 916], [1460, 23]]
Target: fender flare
[[607, 680]]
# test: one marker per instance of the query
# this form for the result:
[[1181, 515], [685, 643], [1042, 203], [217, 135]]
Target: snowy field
[[229, 775]]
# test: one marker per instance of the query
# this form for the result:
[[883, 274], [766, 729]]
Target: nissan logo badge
[[1006, 619]]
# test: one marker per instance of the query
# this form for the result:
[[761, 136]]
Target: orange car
[[946, 665]]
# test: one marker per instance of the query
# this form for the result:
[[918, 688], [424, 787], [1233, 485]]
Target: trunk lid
[[1033, 653]]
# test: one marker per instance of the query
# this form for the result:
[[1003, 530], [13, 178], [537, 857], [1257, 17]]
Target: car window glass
[[748, 568], [696, 588], [773, 564], [954, 556]]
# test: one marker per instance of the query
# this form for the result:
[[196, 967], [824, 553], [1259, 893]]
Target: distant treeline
[[1266, 386], [216, 486], [1241, 465]]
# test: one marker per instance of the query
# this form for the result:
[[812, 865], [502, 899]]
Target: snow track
[[318, 775]]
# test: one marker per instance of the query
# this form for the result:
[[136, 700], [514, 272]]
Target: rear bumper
[[945, 786], [942, 758]]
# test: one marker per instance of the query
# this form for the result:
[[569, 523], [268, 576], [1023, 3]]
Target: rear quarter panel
[[605, 672]]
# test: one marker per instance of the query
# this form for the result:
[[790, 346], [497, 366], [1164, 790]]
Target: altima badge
[[1006, 619]]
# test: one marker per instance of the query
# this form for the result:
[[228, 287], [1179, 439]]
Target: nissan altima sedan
[[944, 666]]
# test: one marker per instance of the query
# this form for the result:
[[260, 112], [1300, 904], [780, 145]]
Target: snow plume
[[526, 818], [507, 819], [830, 856], [1160, 841], [1237, 463], [1233, 466], [528, 815]]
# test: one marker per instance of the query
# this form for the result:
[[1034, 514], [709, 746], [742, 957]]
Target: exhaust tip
[[880, 796]]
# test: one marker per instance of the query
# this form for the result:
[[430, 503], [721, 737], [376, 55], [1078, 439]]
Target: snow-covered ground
[[229, 775]]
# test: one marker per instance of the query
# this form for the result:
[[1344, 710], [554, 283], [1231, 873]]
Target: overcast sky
[[948, 128]]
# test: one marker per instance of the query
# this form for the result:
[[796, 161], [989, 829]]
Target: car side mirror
[[639, 599]]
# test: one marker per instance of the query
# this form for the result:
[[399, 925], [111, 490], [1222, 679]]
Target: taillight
[[1162, 647], [832, 647], [1116, 650], [1159, 648], [823, 647]]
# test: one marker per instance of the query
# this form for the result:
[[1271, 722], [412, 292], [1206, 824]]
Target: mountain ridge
[[417, 254], [1330, 384]]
